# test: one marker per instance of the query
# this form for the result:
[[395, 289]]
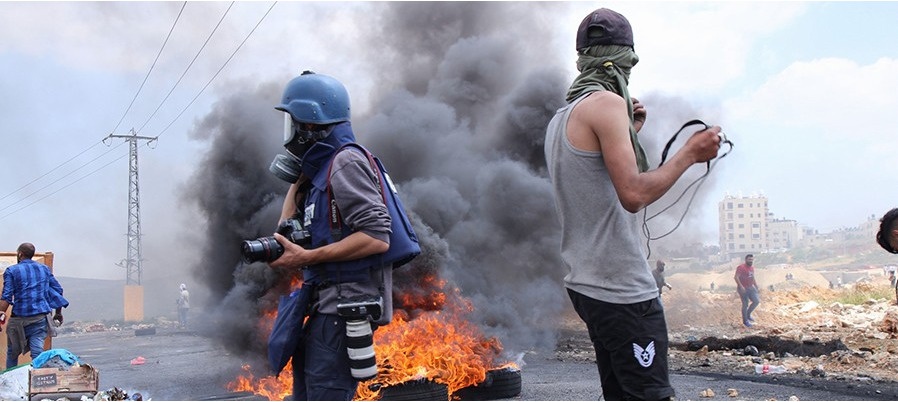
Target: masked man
[[601, 179]]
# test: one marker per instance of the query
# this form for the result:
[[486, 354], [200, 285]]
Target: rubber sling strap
[[672, 139]]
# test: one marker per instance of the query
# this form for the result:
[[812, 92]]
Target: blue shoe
[[747, 323]]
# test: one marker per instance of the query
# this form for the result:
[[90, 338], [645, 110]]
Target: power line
[[151, 67], [188, 67], [217, 72], [50, 171], [58, 179], [123, 116], [64, 187], [116, 126]]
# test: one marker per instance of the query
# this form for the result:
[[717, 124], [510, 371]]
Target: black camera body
[[360, 308], [292, 229], [268, 249]]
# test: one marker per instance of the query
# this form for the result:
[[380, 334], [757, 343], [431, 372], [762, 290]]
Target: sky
[[805, 90]]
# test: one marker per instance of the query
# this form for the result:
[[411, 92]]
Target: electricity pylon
[[132, 263]]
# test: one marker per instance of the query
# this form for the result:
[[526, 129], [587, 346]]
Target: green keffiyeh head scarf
[[607, 68]]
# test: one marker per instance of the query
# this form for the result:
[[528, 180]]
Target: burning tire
[[419, 390], [499, 384]]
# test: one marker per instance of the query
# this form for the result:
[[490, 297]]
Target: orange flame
[[430, 339], [272, 388]]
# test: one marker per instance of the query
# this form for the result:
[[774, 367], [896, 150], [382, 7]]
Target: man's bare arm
[[603, 115]]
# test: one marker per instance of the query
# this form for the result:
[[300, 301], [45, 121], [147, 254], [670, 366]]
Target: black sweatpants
[[631, 347]]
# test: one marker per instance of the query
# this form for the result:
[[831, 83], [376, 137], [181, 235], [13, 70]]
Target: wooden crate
[[54, 381]]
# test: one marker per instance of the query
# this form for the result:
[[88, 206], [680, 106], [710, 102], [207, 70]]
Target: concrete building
[[747, 226], [743, 224], [783, 234]]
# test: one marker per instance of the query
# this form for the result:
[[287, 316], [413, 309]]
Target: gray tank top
[[601, 243]]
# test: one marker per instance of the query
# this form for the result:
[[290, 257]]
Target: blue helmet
[[316, 99]]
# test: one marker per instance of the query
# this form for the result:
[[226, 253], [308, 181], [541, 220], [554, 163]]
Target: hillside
[[102, 300]]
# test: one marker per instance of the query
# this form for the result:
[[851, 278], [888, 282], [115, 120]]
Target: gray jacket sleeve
[[358, 196]]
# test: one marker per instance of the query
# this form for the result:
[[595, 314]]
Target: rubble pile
[[80, 327], [115, 394], [804, 331]]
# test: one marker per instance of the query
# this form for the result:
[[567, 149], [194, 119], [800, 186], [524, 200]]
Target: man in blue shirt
[[32, 290]]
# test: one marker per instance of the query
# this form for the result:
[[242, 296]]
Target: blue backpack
[[404, 245]]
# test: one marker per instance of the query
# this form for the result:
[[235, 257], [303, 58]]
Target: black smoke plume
[[464, 93]]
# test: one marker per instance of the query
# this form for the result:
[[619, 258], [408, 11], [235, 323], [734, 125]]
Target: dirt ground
[[802, 325]]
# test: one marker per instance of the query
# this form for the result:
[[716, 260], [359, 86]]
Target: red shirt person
[[747, 288]]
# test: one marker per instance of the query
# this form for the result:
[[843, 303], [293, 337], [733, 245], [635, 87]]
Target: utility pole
[[133, 289]]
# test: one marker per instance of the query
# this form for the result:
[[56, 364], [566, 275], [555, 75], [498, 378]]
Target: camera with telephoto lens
[[268, 249], [359, 337]]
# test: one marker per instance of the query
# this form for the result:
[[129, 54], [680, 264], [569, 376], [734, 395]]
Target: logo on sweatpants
[[646, 356]]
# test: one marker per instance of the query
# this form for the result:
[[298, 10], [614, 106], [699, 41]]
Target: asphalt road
[[181, 365]]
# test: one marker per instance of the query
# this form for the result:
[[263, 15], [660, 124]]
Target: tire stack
[[499, 384]]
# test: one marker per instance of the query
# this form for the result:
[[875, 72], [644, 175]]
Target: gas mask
[[297, 142]]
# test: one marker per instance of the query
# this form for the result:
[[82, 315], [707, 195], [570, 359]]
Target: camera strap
[[336, 221]]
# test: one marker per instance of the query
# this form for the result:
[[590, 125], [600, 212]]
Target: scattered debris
[[145, 331], [768, 369], [138, 360], [115, 394], [702, 352], [732, 393]]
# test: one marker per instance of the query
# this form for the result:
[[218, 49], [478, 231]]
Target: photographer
[[342, 265]]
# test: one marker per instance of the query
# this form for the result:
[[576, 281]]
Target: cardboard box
[[82, 379]]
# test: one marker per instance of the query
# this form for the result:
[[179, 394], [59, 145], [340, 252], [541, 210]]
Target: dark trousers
[[631, 344], [321, 362]]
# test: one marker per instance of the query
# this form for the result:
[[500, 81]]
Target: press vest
[[319, 210]]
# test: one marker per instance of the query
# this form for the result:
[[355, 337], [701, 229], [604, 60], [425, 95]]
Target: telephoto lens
[[360, 345], [263, 249]]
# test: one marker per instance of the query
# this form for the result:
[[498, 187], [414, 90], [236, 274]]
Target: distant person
[[747, 289], [887, 237], [658, 273], [33, 292], [601, 179], [183, 306], [713, 285]]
